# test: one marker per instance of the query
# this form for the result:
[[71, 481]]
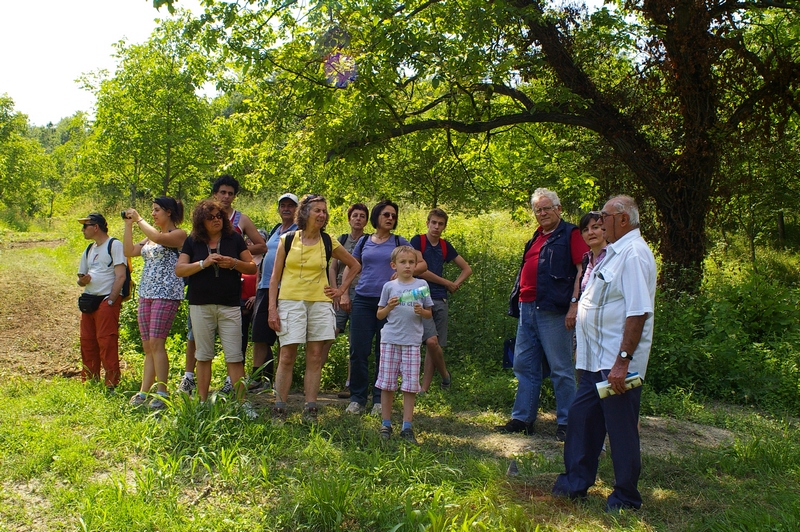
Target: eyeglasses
[[218, 216], [542, 210], [604, 214], [388, 215]]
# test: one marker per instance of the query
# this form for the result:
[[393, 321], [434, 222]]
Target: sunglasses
[[388, 215], [210, 217], [88, 225]]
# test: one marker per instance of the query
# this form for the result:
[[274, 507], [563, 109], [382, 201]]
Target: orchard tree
[[667, 85], [151, 132]]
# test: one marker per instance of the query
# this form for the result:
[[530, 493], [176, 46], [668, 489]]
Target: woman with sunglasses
[[160, 290], [213, 258], [302, 310], [374, 253]]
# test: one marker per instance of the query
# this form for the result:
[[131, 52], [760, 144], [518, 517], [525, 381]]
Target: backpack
[[326, 241], [128, 286], [423, 241]]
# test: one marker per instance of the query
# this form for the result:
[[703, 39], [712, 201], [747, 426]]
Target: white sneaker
[[376, 410], [354, 408], [157, 403], [138, 399], [248, 411], [227, 388], [187, 385]]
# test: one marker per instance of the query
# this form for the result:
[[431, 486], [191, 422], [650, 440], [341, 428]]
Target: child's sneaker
[[157, 403], [259, 386], [187, 385], [408, 435], [386, 432], [227, 388], [138, 399]]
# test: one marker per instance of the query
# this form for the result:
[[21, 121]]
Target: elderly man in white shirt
[[614, 333]]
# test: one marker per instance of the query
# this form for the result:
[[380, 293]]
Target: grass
[[73, 457]]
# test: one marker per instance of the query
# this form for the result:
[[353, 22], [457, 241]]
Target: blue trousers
[[542, 335], [590, 418], [365, 328]]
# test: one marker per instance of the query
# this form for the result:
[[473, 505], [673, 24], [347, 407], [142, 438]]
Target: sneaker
[[345, 393], [259, 386], [354, 408], [278, 414], [376, 410], [561, 433], [310, 415], [248, 411], [515, 425], [187, 385], [157, 404], [386, 432], [138, 399], [408, 435], [446, 382], [227, 388]]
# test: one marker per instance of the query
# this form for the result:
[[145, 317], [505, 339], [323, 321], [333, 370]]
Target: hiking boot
[[345, 393], [187, 385], [515, 425], [157, 403], [310, 415], [561, 433], [138, 399], [386, 432], [227, 388], [408, 435], [248, 411], [376, 409], [354, 408]]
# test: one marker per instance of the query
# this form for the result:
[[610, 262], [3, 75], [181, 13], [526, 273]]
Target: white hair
[[627, 205], [545, 193]]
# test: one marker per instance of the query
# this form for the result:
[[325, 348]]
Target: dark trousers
[[590, 418], [365, 327]]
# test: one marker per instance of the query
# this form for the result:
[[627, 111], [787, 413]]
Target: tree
[[667, 85], [151, 133]]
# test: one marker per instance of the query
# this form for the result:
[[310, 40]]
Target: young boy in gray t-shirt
[[404, 302]]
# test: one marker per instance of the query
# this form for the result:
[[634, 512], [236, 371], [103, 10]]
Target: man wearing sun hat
[[101, 273]]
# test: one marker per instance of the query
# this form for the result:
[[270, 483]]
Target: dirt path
[[39, 323]]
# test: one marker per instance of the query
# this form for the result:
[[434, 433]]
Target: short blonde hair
[[403, 249]]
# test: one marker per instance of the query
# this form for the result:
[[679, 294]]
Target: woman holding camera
[[213, 258], [160, 290]]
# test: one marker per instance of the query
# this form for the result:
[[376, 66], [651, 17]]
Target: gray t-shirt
[[403, 326]]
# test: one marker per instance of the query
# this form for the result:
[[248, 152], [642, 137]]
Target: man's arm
[[259, 245], [119, 280], [634, 325]]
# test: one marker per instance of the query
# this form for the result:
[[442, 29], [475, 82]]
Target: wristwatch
[[110, 302], [625, 355], [573, 300]]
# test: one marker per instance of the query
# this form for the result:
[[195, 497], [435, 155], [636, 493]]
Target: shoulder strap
[[272, 231], [287, 242], [86, 253], [362, 241], [443, 243], [237, 215], [396, 241], [110, 241], [423, 243], [343, 238], [326, 241]]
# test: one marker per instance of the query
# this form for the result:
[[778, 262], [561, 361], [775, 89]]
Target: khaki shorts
[[221, 319], [305, 321]]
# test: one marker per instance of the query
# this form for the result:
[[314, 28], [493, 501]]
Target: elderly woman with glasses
[[374, 253], [302, 310], [213, 258]]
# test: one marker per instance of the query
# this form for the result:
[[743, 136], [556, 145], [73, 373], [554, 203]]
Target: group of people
[[593, 285], [590, 286], [307, 287]]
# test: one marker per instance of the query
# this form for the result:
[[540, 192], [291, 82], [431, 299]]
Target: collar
[[626, 239]]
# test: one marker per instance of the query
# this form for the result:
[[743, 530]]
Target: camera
[[124, 215]]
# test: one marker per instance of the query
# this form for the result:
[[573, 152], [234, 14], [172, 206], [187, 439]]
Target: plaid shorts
[[156, 317], [399, 360]]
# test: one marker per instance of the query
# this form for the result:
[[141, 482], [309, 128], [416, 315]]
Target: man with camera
[[102, 274]]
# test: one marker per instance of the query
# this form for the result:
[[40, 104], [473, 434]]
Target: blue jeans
[[364, 328], [589, 419], [542, 335]]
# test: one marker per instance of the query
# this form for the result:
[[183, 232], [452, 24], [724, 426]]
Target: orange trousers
[[100, 342]]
